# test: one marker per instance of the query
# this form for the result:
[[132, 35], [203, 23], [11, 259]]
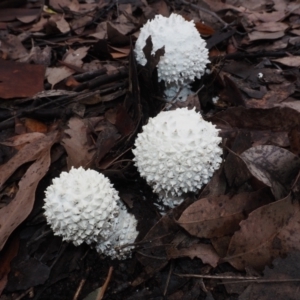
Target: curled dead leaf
[[274, 166]]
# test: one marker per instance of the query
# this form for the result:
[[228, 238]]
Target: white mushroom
[[177, 152], [82, 206], [186, 55]]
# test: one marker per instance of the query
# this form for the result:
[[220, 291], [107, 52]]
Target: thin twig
[[261, 281], [105, 285], [168, 279], [218, 276], [80, 286]]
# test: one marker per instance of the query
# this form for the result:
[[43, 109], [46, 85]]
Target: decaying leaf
[[274, 166], [28, 153], [15, 82], [279, 282], [9, 252], [203, 251], [80, 150], [218, 216], [261, 236], [290, 61], [28, 273], [19, 208]]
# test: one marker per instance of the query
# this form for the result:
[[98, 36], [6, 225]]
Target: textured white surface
[[177, 152], [170, 201], [82, 206], [186, 55]]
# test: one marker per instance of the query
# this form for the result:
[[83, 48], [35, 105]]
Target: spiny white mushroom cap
[[82, 206], [186, 55], [178, 151], [176, 93], [124, 232]]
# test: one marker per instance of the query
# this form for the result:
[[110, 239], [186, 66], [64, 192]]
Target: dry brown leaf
[[7, 255], [32, 125], [39, 26], [29, 152], [119, 52], [78, 24], [116, 33], [100, 31], [57, 74], [80, 151], [274, 16], [203, 251], [160, 8], [11, 46], [287, 270], [15, 82], [263, 35], [274, 166], [261, 237], [25, 15], [13, 214], [38, 56], [219, 216], [73, 5], [20, 140], [271, 27], [74, 57], [277, 93], [62, 25], [120, 118], [290, 61]]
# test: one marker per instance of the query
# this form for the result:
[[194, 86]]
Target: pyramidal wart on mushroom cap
[[82, 206], [177, 152], [186, 55]]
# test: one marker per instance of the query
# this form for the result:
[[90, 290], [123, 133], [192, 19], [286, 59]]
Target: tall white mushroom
[[185, 57], [82, 206]]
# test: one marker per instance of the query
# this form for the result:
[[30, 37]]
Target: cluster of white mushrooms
[[177, 152], [82, 206]]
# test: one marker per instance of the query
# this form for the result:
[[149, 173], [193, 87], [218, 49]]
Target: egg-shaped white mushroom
[[177, 152], [186, 55], [82, 206]]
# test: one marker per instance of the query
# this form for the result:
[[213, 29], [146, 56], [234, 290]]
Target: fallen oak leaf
[[259, 239], [13, 214], [220, 215]]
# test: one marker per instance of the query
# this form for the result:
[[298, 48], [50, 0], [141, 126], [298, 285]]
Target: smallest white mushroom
[[82, 206]]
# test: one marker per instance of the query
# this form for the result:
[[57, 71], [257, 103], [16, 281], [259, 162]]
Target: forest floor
[[72, 94]]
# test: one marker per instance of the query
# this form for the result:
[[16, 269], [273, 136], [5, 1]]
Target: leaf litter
[[72, 95]]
